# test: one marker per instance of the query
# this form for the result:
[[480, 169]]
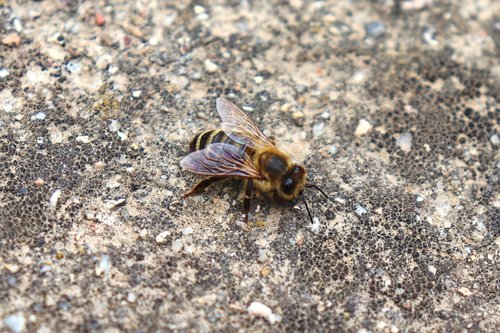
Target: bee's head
[[292, 183]]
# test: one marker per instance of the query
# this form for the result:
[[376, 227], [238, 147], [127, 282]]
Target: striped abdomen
[[203, 139]]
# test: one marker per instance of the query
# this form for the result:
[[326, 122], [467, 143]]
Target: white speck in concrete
[[114, 125], [3, 73], [54, 198], [177, 246], [404, 142], [360, 210], [104, 266], [83, 138], [363, 127], [16, 322], [210, 66], [74, 67], [131, 297], [261, 310], [318, 129], [198, 9], [40, 115], [122, 136], [495, 140], [315, 226], [162, 237]]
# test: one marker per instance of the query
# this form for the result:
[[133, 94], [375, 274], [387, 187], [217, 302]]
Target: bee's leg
[[247, 196], [203, 184]]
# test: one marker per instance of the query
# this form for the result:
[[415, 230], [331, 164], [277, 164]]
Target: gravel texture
[[393, 107]]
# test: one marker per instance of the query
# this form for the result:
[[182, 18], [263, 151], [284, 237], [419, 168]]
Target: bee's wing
[[220, 159], [239, 127]]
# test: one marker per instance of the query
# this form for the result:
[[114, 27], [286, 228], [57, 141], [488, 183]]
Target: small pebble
[[122, 136], [375, 29], [363, 127], [83, 138], [113, 69], [45, 269], [131, 298], [104, 266], [143, 233], [196, 76], [318, 129], [39, 182], [162, 237], [40, 115], [99, 19], [114, 203], [261, 310], [210, 66], [16, 323], [419, 199], [464, 292], [13, 268], [18, 26], [432, 269], [11, 281], [265, 271], [202, 16], [315, 226], [404, 142], [3, 73], [332, 150], [495, 140], [325, 115], [262, 258], [12, 39], [54, 198], [187, 231], [362, 330], [247, 108], [429, 36], [258, 79], [188, 249], [114, 125], [137, 93], [415, 4], [360, 210], [198, 10], [177, 246]]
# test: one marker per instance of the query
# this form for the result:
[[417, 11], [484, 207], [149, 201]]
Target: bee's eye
[[288, 185]]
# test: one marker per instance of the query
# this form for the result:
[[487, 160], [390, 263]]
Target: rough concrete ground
[[393, 106]]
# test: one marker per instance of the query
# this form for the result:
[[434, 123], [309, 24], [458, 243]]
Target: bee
[[240, 150]]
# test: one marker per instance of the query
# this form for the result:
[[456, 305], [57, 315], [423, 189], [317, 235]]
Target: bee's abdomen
[[203, 139]]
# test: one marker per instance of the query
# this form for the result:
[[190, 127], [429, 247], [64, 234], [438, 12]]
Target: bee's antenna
[[307, 207], [317, 187]]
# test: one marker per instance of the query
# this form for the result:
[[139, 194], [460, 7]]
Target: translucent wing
[[220, 159], [239, 127]]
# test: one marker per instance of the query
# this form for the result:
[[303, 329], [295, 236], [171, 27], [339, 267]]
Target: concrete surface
[[393, 106]]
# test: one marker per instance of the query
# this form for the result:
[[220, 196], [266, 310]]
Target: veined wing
[[220, 159], [239, 127]]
